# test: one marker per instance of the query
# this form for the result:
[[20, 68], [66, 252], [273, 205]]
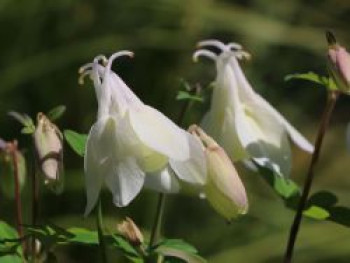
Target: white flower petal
[[229, 138], [95, 164], [159, 133], [295, 136], [250, 96], [164, 181], [125, 181], [270, 147], [124, 177], [194, 170]]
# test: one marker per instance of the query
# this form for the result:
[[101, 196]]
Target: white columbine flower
[[243, 122], [129, 140]]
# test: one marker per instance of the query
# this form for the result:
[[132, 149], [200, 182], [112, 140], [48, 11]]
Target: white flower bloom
[[243, 122], [129, 140]]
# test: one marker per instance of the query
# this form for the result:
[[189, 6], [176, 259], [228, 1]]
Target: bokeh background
[[43, 43]]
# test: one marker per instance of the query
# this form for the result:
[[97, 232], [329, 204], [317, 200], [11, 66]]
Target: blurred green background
[[43, 43]]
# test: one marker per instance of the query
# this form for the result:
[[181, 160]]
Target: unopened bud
[[49, 147], [224, 189], [130, 231], [339, 64]]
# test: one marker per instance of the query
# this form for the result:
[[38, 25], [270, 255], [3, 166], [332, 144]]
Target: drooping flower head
[[129, 140], [243, 122]]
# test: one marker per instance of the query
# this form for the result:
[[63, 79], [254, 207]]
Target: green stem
[[101, 240], [157, 225], [332, 99], [155, 234]]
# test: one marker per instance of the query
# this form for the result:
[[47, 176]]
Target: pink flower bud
[[339, 65]]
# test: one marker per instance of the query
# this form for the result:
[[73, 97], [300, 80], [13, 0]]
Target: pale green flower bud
[[130, 231], [49, 149], [339, 64], [224, 189]]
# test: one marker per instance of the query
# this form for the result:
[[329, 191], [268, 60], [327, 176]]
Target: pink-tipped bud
[[339, 65]]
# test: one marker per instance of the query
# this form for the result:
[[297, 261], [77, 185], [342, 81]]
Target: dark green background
[[44, 42]]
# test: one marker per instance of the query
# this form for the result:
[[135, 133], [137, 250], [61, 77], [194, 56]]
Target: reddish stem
[[14, 154]]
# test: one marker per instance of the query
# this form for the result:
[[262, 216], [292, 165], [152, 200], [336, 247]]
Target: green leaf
[[327, 201], [49, 235], [315, 78], [82, 236], [179, 244], [76, 140], [24, 119], [316, 212], [177, 253], [285, 188], [56, 112], [7, 231], [179, 249], [340, 215], [185, 95], [10, 259], [28, 130], [121, 243], [323, 199], [10, 246], [310, 76]]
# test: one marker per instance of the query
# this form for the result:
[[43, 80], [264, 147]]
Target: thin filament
[[214, 43], [204, 53]]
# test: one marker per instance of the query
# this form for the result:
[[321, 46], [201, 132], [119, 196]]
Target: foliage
[[320, 206], [76, 141]]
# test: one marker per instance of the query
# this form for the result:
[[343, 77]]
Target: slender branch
[[101, 240], [15, 163], [331, 101], [35, 201], [156, 229]]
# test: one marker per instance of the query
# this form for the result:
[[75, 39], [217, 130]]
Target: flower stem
[[19, 221], [35, 203], [99, 222], [331, 101], [158, 220]]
